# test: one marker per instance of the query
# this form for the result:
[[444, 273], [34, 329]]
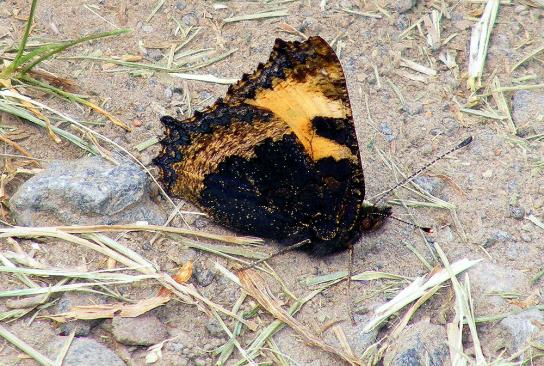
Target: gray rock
[[81, 328], [497, 236], [403, 6], [527, 107], [147, 28], [144, 330], [422, 343], [84, 352], [431, 185], [87, 191], [514, 332], [488, 278]]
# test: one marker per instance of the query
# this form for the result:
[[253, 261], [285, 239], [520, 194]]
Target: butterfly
[[278, 156]]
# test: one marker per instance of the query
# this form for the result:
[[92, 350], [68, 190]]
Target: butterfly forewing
[[278, 156]]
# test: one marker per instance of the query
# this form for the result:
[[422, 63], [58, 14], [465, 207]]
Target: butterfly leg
[[275, 254], [350, 274]]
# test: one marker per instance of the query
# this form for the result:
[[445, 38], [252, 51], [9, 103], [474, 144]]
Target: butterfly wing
[[278, 157]]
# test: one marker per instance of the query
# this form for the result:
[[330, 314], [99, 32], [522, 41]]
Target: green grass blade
[[66, 45]]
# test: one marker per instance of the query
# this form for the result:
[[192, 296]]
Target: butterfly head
[[373, 217]]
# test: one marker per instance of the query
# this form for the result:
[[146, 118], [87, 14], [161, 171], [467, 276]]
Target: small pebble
[[201, 223], [200, 362], [153, 54], [180, 5], [144, 330], [214, 328], [310, 25], [387, 131], [168, 93], [402, 22], [137, 123], [517, 212], [190, 19], [203, 277], [427, 150], [147, 28], [403, 6], [431, 185], [497, 236], [413, 108], [487, 174]]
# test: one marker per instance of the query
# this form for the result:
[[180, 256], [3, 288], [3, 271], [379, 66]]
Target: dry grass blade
[[28, 232], [479, 43], [64, 349], [96, 276], [416, 290], [206, 78], [536, 221], [412, 310], [124, 310], [432, 23], [361, 13], [254, 286], [80, 229], [257, 16], [186, 292], [464, 308], [489, 113], [502, 104], [528, 57], [417, 67], [17, 110]]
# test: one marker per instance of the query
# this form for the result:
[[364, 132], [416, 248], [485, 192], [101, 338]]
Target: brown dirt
[[489, 173]]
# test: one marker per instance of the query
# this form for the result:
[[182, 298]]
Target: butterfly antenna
[[384, 194], [279, 252], [424, 228]]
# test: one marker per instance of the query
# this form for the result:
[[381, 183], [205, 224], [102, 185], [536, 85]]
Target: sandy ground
[[481, 181]]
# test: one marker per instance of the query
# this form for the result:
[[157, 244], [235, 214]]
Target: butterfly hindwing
[[278, 157]]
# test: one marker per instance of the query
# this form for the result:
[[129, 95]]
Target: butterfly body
[[278, 156]]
